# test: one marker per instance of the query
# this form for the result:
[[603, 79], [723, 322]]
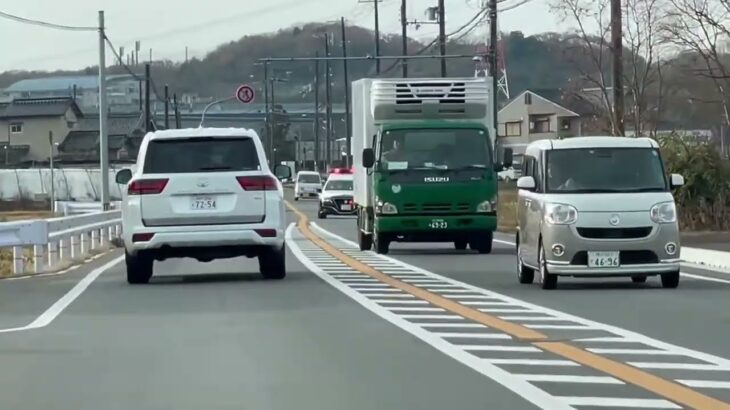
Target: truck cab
[[427, 170]]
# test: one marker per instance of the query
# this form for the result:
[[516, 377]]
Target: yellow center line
[[665, 388]]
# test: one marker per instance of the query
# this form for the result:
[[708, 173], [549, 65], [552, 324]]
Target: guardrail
[[55, 241], [68, 208]]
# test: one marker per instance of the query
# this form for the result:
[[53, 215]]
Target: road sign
[[245, 94]]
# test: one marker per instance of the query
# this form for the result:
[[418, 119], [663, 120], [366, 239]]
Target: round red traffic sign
[[245, 94]]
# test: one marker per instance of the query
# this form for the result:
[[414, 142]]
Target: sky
[[167, 27]]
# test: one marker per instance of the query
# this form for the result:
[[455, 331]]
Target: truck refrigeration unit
[[425, 163]]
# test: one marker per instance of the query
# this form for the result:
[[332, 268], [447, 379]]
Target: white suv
[[203, 193]]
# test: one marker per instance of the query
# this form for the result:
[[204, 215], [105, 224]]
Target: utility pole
[[50, 160], [269, 137], [103, 135], [167, 107], [442, 35], [141, 99], [493, 63], [137, 47], [177, 111], [328, 100], [618, 67], [348, 121], [404, 37], [186, 54], [316, 112], [377, 31], [377, 37], [147, 113]]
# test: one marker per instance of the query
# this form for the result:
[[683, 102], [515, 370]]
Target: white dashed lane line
[[525, 364]]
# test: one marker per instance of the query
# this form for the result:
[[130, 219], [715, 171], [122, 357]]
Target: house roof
[[40, 107], [60, 83], [84, 141], [115, 125], [554, 93]]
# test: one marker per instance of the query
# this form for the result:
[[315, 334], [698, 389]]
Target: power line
[[425, 48], [45, 23]]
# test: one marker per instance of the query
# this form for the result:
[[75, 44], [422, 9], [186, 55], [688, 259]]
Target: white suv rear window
[[211, 154]]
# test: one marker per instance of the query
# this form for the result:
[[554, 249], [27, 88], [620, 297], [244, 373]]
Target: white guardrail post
[[52, 242]]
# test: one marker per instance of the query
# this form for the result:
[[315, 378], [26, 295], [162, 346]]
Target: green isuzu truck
[[425, 163]]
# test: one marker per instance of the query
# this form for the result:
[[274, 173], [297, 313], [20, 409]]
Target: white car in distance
[[206, 194], [308, 184]]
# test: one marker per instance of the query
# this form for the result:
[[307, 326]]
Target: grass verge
[[507, 208]]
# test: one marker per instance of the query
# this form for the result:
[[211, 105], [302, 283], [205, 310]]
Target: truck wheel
[[272, 263], [364, 240], [321, 214], [483, 244], [139, 267], [460, 245], [381, 243]]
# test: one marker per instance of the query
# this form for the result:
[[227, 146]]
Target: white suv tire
[[272, 263], [139, 267]]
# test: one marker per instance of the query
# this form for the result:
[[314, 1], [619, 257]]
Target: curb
[[706, 257]]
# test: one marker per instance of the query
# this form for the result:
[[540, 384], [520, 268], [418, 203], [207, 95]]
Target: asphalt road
[[216, 336]]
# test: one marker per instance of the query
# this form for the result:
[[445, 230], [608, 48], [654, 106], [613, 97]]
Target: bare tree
[[642, 36], [642, 73], [592, 44], [699, 26]]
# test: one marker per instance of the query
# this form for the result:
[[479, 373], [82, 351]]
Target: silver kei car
[[596, 207]]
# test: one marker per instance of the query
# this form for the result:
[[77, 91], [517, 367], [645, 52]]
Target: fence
[[59, 240], [69, 208], [70, 184]]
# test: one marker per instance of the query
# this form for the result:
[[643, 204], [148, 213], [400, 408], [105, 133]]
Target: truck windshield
[[435, 149], [598, 170]]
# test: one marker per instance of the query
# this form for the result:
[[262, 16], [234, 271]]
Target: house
[[27, 124], [124, 137], [123, 91], [531, 116]]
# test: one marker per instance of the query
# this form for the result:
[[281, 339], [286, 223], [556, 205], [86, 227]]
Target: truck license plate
[[438, 224], [603, 259], [346, 207], [202, 203]]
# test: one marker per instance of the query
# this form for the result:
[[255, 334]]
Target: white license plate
[[603, 259], [202, 203], [346, 207], [438, 224]]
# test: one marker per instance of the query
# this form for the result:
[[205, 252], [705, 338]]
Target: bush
[[704, 201]]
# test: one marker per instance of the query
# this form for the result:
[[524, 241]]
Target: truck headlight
[[664, 213], [487, 206], [386, 208], [560, 214]]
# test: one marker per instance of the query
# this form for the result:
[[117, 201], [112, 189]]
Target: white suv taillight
[[257, 183], [147, 186]]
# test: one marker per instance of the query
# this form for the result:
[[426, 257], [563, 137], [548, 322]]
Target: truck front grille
[[436, 208]]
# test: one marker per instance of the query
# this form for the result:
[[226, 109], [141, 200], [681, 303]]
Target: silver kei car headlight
[[664, 213], [560, 214]]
